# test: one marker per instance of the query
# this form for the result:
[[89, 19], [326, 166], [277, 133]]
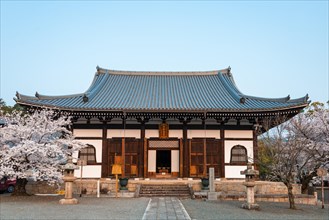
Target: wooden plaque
[[164, 130]]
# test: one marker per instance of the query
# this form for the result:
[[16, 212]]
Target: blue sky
[[274, 48]]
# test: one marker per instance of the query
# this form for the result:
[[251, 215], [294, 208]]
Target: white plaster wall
[[203, 133], [175, 161], [151, 133], [136, 133], [229, 144], [176, 133], [234, 171], [91, 171], [87, 132], [238, 134], [152, 161]]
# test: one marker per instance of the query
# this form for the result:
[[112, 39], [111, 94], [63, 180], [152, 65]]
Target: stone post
[[212, 195], [250, 184]]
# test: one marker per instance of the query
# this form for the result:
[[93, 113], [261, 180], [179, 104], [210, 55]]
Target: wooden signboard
[[163, 130]]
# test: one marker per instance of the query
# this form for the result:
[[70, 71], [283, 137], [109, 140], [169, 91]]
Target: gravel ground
[[47, 207], [200, 209]]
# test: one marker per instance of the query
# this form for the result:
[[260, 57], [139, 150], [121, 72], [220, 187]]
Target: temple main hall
[[166, 124]]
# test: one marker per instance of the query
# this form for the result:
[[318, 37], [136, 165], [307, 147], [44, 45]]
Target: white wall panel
[[175, 161], [203, 133], [87, 132], [234, 171], [238, 134], [151, 133], [229, 144], [136, 133], [176, 133], [152, 161], [93, 171]]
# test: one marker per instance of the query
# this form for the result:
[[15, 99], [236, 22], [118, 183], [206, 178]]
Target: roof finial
[[18, 95], [85, 98], [97, 68], [229, 69], [37, 95]]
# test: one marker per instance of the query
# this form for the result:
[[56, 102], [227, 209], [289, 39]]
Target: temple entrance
[[163, 161], [163, 158]]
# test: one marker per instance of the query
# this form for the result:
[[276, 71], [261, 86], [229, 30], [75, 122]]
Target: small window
[[88, 154], [239, 155]]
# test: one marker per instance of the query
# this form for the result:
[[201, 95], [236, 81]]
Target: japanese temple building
[[174, 124]]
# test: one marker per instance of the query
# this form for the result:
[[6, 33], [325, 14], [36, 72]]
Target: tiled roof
[[112, 90]]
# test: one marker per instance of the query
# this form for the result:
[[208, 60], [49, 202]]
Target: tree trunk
[[291, 196], [305, 181], [20, 187]]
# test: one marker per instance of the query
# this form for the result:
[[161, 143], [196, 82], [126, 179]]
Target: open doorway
[[163, 161]]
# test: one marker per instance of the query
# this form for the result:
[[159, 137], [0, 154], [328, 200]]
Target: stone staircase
[[165, 190]]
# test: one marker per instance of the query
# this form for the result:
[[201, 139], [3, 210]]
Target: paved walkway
[[165, 208]]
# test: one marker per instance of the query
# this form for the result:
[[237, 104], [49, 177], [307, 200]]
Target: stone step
[[155, 190]]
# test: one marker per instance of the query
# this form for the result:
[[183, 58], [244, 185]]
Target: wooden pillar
[[141, 159], [255, 148], [186, 152], [181, 153], [123, 146], [123, 150], [105, 159], [222, 152], [145, 158], [204, 149]]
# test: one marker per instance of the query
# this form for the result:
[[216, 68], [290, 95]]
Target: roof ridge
[[283, 99], [158, 73], [39, 96]]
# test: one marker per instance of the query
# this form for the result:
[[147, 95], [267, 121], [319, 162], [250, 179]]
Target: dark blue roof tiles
[[158, 91]]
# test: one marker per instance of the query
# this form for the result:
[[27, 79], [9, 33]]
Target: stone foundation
[[225, 189], [261, 187], [33, 188]]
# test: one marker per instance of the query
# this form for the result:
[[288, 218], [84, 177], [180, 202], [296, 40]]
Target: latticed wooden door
[[204, 153], [133, 152], [114, 148]]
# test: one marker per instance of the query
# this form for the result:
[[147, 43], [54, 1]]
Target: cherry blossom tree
[[312, 129], [295, 149], [35, 145]]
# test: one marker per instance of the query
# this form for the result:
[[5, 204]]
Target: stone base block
[[212, 195], [121, 194], [250, 206], [68, 201]]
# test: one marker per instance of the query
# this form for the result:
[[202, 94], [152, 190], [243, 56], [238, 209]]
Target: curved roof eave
[[300, 106]]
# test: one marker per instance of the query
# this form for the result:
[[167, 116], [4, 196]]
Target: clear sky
[[274, 48]]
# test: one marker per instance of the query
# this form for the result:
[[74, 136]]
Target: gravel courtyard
[[47, 207]]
